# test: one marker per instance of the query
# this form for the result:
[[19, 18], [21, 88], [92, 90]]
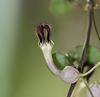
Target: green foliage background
[[23, 70]]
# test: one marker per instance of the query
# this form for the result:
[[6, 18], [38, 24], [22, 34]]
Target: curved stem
[[78, 5], [95, 25], [85, 74], [75, 3], [87, 86]]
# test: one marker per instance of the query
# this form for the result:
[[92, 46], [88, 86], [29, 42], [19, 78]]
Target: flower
[[46, 46], [69, 74], [95, 89]]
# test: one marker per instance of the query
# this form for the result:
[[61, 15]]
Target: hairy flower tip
[[40, 32], [95, 89], [69, 75]]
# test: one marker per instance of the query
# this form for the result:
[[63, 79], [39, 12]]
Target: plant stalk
[[95, 26], [87, 86], [85, 47], [80, 68]]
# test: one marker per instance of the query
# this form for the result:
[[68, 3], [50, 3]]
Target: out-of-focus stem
[[84, 7], [95, 25], [87, 86], [80, 85], [69, 60]]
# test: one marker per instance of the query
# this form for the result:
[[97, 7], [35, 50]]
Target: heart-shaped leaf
[[60, 60], [92, 55]]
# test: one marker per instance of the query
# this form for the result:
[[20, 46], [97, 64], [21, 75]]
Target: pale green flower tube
[[46, 49]]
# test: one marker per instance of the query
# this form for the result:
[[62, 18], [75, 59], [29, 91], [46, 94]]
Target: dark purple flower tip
[[40, 32]]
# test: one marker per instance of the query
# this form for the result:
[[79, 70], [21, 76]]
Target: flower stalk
[[87, 86]]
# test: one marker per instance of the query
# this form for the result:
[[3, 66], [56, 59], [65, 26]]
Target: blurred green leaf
[[71, 54], [60, 60], [92, 56], [58, 7]]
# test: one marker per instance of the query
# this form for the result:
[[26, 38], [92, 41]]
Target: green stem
[[85, 74], [95, 25], [87, 86]]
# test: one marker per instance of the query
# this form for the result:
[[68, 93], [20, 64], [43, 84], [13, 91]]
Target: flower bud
[[95, 89], [69, 74]]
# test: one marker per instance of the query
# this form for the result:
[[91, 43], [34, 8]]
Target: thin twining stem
[[85, 47], [95, 25], [91, 70], [87, 38]]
